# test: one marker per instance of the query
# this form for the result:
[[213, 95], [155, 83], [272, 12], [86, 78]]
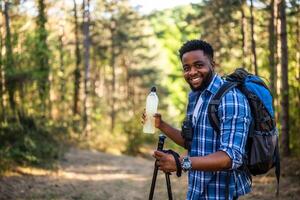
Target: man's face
[[196, 68]]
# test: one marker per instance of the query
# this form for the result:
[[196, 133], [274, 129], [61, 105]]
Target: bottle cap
[[153, 89]]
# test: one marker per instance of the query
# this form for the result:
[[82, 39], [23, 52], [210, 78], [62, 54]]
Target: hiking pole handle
[[161, 142], [160, 146]]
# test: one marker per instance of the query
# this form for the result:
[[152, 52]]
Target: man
[[213, 160]]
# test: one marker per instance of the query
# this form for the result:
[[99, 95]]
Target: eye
[[199, 65], [186, 68]]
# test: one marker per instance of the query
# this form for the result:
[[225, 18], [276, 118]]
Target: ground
[[89, 175]]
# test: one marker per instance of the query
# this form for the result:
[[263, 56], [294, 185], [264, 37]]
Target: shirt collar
[[212, 87], [215, 84]]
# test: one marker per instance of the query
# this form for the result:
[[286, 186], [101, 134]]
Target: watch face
[[186, 164]]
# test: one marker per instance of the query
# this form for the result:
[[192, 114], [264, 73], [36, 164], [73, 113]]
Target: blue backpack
[[262, 151]]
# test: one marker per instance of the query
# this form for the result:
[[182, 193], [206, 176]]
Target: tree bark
[[113, 83], [78, 62], [253, 43], [243, 32], [42, 56], [298, 53], [2, 80], [284, 82], [86, 45], [62, 71], [272, 47], [9, 60]]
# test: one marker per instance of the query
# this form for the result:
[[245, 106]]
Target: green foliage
[[134, 136], [172, 29], [141, 51], [25, 141]]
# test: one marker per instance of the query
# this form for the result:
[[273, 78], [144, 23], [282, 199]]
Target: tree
[[86, 46], [113, 58], [284, 81], [243, 32], [77, 62], [9, 60], [61, 49], [253, 42], [2, 81], [273, 46], [42, 56]]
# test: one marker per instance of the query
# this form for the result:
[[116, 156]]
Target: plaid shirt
[[234, 114]]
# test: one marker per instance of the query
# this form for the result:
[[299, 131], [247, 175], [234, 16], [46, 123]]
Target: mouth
[[195, 81]]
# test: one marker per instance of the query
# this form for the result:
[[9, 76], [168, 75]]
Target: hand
[[165, 162], [158, 120], [157, 116], [144, 117]]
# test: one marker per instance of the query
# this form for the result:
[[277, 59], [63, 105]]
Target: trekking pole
[[169, 185], [160, 147]]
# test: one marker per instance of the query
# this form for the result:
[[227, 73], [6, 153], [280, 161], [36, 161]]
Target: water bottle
[[151, 109]]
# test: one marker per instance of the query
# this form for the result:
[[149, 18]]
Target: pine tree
[[284, 81], [42, 56]]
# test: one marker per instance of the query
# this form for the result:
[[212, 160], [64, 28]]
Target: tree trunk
[[284, 82], [272, 47], [42, 56], [78, 62], [62, 72], [298, 54], [2, 80], [253, 43], [243, 32], [113, 83], [86, 45], [9, 61], [277, 77]]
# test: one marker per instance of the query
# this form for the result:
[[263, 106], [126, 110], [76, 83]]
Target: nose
[[193, 70]]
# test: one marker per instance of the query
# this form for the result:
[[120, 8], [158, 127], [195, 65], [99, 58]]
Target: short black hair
[[192, 45]]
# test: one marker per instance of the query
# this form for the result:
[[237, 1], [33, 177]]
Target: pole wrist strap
[[176, 157]]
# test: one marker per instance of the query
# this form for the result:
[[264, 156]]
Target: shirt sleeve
[[235, 116]]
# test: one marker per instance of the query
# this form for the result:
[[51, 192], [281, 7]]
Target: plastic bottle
[[151, 109]]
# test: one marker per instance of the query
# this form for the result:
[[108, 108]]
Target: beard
[[207, 80]]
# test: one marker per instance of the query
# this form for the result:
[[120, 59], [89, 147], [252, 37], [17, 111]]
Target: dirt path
[[88, 175]]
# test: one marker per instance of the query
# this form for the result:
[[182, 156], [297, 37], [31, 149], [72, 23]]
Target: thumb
[[158, 154]]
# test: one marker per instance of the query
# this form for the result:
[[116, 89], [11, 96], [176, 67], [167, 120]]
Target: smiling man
[[213, 159]]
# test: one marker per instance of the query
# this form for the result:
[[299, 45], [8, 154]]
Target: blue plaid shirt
[[234, 114]]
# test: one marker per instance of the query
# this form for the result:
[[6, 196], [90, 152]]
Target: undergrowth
[[28, 141]]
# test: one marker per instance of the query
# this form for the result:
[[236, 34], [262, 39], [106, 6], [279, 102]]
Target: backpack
[[262, 150]]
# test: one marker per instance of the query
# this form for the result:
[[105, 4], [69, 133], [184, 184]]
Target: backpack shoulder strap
[[215, 102]]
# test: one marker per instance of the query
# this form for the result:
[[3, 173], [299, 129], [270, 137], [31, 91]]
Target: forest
[[77, 73]]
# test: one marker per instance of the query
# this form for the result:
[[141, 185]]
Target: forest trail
[[91, 175]]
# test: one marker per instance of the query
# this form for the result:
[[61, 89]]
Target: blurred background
[[77, 73]]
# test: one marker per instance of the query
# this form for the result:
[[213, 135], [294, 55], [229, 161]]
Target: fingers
[[157, 115], [159, 155], [158, 120], [144, 116], [164, 161]]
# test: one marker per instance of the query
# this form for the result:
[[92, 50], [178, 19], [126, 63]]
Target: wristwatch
[[186, 164]]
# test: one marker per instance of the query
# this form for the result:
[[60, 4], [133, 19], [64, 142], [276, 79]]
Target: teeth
[[195, 79]]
